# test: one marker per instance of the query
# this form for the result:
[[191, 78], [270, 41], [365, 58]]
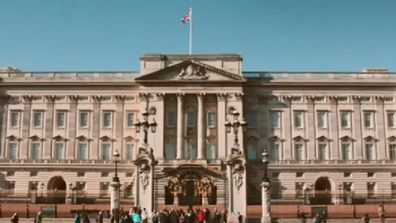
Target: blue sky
[[271, 35]]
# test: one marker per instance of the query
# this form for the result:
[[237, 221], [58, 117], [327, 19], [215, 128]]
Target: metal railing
[[69, 75]]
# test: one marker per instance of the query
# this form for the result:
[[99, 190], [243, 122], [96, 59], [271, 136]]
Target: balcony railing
[[319, 75], [69, 75], [346, 162], [65, 161]]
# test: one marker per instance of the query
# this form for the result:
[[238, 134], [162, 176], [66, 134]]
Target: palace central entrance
[[323, 191], [56, 190]]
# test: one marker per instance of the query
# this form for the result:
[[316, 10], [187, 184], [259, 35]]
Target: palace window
[[129, 151], [371, 189], [82, 151], [170, 119], [368, 119], [37, 119], [275, 119], [252, 152], [211, 121], [170, 151], [298, 119], [14, 120], [322, 119], [390, 119], [211, 152], [106, 119], [35, 150], [252, 120], [191, 119], [275, 151], [392, 151], [106, 153], [322, 151], [345, 119], [60, 119], [59, 151], [369, 150], [346, 151], [13, 150], [83, 119], [298, 151], [191, 151], [130, 119]]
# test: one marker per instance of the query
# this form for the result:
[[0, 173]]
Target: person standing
[[381, 213], [15, 218]]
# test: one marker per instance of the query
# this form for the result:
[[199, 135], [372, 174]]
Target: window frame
[[40, 125], [208, 119], [127, 121], [80, 113], [58, 112], [301, 113], [348, 120], [18, 113], [104, 113]]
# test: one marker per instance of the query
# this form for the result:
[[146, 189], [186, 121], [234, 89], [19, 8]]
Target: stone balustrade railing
[[347, 162], [318, 75], [69, 75], [247, 74], [64, 161]]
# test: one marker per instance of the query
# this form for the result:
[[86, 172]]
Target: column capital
[[222, 96], [238, 96], [287, 99], [201, 96], [27, 98], [144, 96], [160, 96], [333, 99], [356, 99], [310, 98], [180, 96], [379, 99], [120, 98], [73, 98], [50, 98], [97, 98]]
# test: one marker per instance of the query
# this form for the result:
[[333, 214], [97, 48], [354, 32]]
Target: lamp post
[[115, 184], [265, 191], [235, 125], [146, 125], [42, 189]]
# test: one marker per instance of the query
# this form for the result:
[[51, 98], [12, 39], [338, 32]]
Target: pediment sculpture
[[193, 72], [205, 186], [176, 186]]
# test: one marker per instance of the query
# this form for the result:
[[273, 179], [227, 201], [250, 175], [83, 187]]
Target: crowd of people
[[140, 215]]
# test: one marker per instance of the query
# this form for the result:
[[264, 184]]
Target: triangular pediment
[[190, 70], [299, 139], [323, 138], [392, 139], [346, 138], [370, 138]]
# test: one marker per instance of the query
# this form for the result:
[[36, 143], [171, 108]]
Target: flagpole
[[191, 26]]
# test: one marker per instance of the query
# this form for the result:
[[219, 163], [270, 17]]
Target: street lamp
[[146, 125], [73, 193], [42, 189], [116, 156], [265, 162], [235, 125]]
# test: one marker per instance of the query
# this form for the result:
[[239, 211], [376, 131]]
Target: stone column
[[200, 123], [356, 127], [334, 123], [266, 202], [179, 153], [205, 201], [381, 129], [221, 131], [4, 125], [159, 134], [96, 122]]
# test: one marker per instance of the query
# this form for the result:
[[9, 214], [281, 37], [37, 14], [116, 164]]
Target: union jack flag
[[186, 18]]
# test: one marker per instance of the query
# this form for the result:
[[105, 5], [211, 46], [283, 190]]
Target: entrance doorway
[[323, 191], [56, 190]]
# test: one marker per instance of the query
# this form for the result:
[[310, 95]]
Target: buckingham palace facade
[[326, 131]]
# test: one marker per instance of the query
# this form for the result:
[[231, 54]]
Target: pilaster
[[26, 125], [119, 143], [160, 133], [96, 122], [264, 125], [357, 128], [221, 131], [4, 99], [72, 127], [288, 125], [311, 127], [179, 146], [49, 124], [381, 128], [334, 124]]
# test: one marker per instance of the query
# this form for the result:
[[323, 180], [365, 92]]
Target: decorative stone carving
[[238, 96], [237, 175], [144, 171], [379, 99], [120, 98], [193, 72], [201, 96], [222, 96], [51, 98], [287, 99], [236, 160], [356, 99], [230, 110], [27, 98], [333, 99], [144, 163], [205, 186], [176, 186], [310, 98], [160, 96], [144, 97], [73, 98], [97, 98]]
